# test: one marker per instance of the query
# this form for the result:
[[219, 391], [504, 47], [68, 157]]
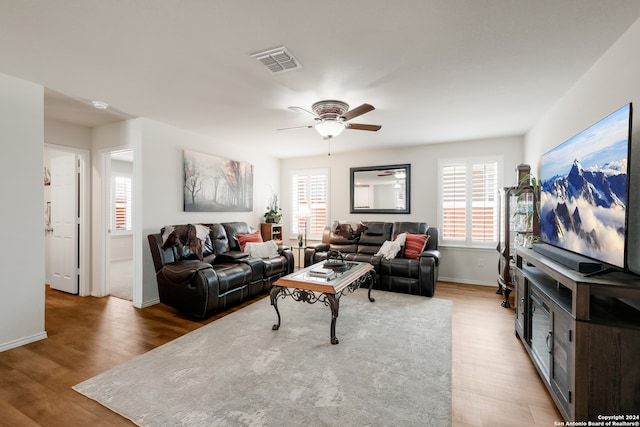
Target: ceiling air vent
[[278, 60]]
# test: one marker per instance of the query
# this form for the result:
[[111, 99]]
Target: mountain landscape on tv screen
[[584, 211]]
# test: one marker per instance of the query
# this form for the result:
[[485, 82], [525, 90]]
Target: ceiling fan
[[396, 173], [332, 118]]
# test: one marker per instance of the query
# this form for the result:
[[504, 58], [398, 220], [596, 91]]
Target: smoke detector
[[278, 60], [100, 105]]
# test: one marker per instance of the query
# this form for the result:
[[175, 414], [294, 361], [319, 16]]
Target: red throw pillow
[[243, 239], [414, 245]]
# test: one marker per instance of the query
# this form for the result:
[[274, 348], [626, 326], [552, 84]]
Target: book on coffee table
[[322, 272]]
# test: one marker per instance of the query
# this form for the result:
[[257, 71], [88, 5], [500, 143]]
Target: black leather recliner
[[411, 276], [220, 278]]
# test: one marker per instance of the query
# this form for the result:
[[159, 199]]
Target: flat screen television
[[584, 191]]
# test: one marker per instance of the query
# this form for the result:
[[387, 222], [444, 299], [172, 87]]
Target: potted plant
[[274, 212]]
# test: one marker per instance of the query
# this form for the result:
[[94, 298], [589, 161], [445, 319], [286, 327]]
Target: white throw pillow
[[389, 249], [401, 239], [202, 232], [268, 249]]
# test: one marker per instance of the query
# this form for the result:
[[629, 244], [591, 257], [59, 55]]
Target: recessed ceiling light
[[100, 105]]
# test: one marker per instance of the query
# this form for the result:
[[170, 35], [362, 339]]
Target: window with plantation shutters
[[469, 201], [121, 220], [454, 201], [310, 198], [484, 202]]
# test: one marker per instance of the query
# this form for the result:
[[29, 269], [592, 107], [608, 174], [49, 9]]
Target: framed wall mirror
[[381, 189]]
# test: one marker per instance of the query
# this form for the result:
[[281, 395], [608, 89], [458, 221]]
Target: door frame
[[84, 218]]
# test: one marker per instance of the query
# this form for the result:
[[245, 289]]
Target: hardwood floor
[[493, 381]]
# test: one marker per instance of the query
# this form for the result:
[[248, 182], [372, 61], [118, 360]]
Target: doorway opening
[[119, 203]]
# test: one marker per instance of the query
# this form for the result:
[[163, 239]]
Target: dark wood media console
[[583, 339]]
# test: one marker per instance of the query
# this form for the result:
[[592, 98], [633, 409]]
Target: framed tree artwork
[[215, 184]]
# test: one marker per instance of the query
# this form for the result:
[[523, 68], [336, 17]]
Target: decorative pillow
[[168, 237], [249, 237], [414, 245], [202, 231], [349, 230], [203, 234], [389, 249], [343, 230], [185, 239], [268, 249]]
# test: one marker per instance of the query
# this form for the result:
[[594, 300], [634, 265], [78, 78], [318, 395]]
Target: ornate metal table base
[[331, 300]]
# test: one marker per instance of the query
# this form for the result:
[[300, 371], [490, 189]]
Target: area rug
[[391, 367]]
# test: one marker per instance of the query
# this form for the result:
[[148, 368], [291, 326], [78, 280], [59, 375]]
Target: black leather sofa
[[412, 276], [201, 277]]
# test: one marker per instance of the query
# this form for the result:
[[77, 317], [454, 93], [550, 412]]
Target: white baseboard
[[150, 302], [467, 281], [22, 341]]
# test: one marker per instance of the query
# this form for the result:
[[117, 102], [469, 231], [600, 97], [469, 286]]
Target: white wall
[[612, 81], [22, 260], [121, 247], [67, 134], [158, 179], [461, 265]]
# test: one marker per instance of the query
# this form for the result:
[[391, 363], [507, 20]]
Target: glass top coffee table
[[317, 283]]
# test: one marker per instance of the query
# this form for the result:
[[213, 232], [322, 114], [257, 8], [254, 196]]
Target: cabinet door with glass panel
[[518, 223]]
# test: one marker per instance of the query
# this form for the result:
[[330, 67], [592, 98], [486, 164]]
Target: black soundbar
[[568, 259]]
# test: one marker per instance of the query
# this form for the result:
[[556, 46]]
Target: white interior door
[[64, 221]]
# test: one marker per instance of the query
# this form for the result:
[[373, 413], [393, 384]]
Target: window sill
[[491, 246]]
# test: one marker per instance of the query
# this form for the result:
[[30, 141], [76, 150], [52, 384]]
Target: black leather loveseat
[[400, 274], [200, 275]]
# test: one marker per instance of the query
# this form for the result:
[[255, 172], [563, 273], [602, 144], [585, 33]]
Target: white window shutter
[[122, 203], [454, 201]]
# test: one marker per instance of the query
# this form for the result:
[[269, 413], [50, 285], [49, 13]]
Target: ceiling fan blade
[[358, 111], [358, 126], [297, 127], [294, 108]]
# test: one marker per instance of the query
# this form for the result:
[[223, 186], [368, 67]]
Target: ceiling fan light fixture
[[332, 117], [330, 108], [329, 128]]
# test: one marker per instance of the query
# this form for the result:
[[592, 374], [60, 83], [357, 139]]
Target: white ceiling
[[436, 70]]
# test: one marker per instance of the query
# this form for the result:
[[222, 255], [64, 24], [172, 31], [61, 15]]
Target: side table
[[300, 263]]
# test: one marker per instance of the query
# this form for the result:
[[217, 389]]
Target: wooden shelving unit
[[271, 231], [582, 334]]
